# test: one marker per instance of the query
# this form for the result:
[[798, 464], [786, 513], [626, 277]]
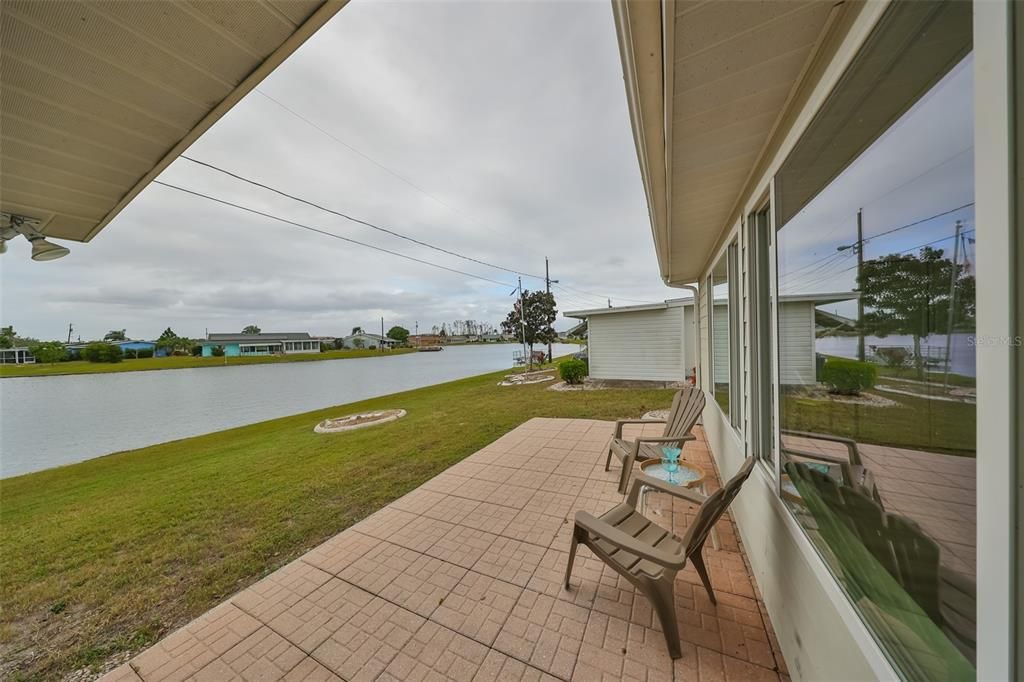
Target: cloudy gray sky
[[503, 134]]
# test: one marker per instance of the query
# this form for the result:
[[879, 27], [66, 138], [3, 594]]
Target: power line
[[373, 161], [603, 298], [354, 219], [329, 234]]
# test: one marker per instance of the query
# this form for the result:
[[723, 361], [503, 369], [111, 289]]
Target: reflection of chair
[[904, 551], [649, 556], [686, 409], [852, 468]]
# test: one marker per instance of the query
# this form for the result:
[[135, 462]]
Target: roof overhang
[[816, 299], [99, 98], [707, 84]]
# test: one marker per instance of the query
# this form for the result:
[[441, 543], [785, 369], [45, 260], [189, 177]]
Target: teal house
[[271, 343]]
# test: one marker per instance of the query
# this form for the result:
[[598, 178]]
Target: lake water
[[52, 421], [962, 352]]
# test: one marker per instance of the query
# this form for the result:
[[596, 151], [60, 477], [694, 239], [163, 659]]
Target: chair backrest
[[713, 507], [686, 410]]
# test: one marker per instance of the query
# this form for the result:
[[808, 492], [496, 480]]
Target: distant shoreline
[[74, 367]]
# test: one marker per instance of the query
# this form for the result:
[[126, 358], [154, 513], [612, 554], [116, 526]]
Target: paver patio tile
[[186, 651], [363, 647], [544, 632], [510, 560], [412, 580], [310, 670], [338, 552], [436, 653], [462, 579], [493, 518], [263, 655], [613, 648], [477, 606], [534, 527], [462, 546]]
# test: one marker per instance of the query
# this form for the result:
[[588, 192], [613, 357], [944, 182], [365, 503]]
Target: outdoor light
[[42, 250]]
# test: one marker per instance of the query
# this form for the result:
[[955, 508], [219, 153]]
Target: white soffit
[[97, 97]]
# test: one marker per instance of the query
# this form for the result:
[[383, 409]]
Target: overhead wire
[[317, 230], [353, 219]]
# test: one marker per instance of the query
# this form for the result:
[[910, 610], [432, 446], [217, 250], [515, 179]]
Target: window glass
[[720, 345], [877, 381]]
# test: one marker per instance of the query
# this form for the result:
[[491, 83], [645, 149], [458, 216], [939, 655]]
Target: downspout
[[696, 332]]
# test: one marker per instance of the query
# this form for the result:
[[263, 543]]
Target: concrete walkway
[[461, 579]]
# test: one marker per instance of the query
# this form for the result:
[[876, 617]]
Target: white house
[[658, 341], [786, 147], [367, 340], [19, 355]]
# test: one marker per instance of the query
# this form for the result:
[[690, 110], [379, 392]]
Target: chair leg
[[572, 556], [698, 563], [661, 594], [627, 469], [608, 461]]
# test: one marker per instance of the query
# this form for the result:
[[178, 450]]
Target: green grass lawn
[[914, 423], [108, 555], [182, 362]]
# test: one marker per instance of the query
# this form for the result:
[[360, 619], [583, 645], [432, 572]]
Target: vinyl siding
[[796, 343], [640, 345]]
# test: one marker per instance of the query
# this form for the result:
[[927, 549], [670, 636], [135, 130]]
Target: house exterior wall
[[820, 634], [637, 345]]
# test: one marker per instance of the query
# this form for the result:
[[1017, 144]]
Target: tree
[[115, 335], [400, 334], [49, 351], [909, 294], [536, 324], [251, 329], [7, 337], [357, 330], [358, 343], [173, 343], [101, 351]]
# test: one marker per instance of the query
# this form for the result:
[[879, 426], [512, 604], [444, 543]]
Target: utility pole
[[382, 337], [858, 248], [952, 300], [527, 359], [547, 282], [70, 329]]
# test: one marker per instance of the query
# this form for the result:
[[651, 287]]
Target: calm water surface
[[52, 421]]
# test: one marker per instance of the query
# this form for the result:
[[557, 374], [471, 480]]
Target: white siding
[[796, 343], [689, 341], [639, 345], [720, 337]]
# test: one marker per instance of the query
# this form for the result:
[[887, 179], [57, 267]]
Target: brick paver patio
[[462, 579]]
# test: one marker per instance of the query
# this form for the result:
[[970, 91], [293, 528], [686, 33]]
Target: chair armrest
[[642, 479], [666, 439], [851, 445], [627, 542], [620, 422]]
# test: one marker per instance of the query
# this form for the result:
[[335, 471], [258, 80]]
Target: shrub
[[102, 352], [48, 351], [217, 351], [848, 377], [572, 371], [197, 350]]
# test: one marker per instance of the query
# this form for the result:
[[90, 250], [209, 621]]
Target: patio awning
[[98, 98], [706, 84]]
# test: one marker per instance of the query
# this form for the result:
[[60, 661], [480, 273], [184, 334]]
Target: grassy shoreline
[[183, 362], [106, 556]]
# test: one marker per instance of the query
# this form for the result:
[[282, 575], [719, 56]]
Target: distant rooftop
[[266, 336]]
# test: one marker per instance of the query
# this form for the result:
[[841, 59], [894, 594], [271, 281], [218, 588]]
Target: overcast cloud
[[510, 118]]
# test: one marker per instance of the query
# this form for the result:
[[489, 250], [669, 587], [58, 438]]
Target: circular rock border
[[526, 379], [352, 422]]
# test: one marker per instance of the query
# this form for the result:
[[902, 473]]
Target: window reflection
[[878, 434], [720, 346]]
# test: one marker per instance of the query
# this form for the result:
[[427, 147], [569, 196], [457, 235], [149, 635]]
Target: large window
[[875, 312]]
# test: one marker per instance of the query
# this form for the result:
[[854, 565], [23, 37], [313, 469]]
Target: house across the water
[[16, 356], [270, 343], [366, 340]]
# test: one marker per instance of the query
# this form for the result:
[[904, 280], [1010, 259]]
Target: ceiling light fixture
[[12, 225]]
